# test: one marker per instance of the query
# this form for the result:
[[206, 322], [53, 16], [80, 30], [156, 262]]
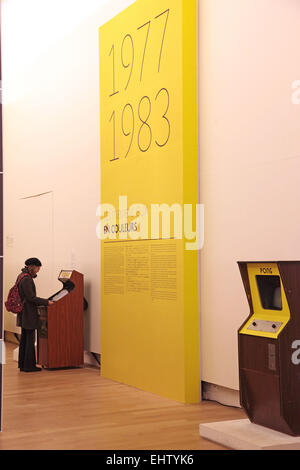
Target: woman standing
[[27, 319]]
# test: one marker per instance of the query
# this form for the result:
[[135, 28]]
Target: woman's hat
[[33, 262]]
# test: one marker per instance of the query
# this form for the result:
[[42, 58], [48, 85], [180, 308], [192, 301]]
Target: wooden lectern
[[60, 332], [269, 345]]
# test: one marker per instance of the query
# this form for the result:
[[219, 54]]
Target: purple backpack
[[14, 303]]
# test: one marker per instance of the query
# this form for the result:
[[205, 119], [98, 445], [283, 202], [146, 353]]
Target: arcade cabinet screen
[[270, 292]]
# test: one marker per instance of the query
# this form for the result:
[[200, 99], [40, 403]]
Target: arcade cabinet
[[269, 369], [60, 332]]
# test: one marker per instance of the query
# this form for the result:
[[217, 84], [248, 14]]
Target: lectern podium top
[[69, 275], [69, 279], [65, 274]]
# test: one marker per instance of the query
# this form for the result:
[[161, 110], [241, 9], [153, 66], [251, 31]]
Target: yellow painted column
[[149, 275]]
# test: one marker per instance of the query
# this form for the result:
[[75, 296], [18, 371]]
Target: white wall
[[52, 142], [250, 159]]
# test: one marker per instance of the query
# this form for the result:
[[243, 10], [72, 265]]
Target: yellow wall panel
[[148, 106]]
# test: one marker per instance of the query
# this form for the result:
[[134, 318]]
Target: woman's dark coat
[[28, 317]]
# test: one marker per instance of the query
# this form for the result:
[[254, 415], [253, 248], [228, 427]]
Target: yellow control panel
[[65, 275], [271, 311]]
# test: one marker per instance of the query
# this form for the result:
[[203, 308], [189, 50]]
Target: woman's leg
[[29, 362], [22, 349]]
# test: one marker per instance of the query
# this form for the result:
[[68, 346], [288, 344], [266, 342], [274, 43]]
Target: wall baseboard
[[2, 354], [92, 359], [10, 337], [223, 395]]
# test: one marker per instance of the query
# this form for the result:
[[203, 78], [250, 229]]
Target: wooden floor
[[79, 410]]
